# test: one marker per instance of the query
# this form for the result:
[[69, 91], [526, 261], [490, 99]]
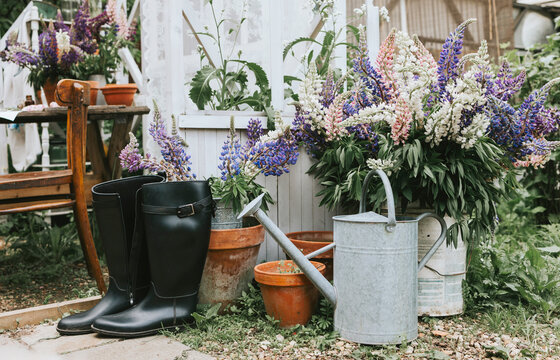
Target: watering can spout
[[324, 286]]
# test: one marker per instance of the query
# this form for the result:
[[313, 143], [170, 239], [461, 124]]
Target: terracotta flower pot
[[119, 94], [93, 91], [49, 87], [232, 255], [288, 297], [309, 241]]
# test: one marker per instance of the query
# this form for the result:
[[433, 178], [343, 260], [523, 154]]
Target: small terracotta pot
[[309, 241], [119, 94], [94, 86], [49, 87], [232, 254], [288, 297]]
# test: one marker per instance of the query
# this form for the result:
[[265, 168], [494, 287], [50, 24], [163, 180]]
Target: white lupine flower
[[63, 42], [384, 14], [380, 164], [372, 115]]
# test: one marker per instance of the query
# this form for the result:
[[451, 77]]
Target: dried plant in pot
[[288, 295]]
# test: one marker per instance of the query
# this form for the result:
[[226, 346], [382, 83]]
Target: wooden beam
[[452, 7]]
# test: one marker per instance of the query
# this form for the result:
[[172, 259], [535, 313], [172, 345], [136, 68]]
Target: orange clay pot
[[94, 86], [290, 298], [119, 94], [49, 87], [309, 241], [232, 255]]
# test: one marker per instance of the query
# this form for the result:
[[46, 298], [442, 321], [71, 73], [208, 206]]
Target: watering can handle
[[438, 242], [390, 227]]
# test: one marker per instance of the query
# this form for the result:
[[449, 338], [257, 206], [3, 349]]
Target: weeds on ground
[[34, 250], [519, 266]]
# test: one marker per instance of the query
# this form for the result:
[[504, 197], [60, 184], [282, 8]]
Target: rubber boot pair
[[172, 227]]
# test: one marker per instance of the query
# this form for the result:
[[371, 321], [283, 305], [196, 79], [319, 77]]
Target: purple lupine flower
[[254, 131], [231, 157], [130, 157], [97, 22], [505, 85], [328, 92], [48, 48], [313, 141], [273, 157], [175, 163], [449, 57], [171, 147], [369, 76], [59, 24], [80, 32]]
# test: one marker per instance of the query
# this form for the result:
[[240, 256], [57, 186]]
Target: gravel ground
[[460, 337]]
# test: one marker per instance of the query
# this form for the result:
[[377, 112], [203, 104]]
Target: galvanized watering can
[[375, 270]]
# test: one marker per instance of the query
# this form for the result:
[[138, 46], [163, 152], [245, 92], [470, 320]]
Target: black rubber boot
[[116, 204], [177, 218]]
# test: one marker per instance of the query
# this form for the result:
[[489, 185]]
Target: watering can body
[[375, 270], [375, 274]]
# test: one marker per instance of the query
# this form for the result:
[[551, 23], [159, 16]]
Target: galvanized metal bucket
[[225, 217], [440, 282]]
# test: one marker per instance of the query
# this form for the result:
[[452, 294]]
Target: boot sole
[[138, 333], [74, 332]]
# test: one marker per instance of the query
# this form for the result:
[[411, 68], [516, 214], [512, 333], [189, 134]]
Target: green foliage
[[106, 61], [464, 184], [238, 191], [542, 63], [33, 242], [225, 86], [341, 170], [520, 265]]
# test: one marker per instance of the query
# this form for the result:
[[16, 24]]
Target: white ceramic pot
[[101, 80]]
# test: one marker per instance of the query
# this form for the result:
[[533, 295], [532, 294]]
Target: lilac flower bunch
[[175, 162], [63, 48], [60, 48]]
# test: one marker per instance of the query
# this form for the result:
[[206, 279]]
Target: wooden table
[[105, 165]]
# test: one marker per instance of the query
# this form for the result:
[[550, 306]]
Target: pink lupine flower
[[384, 62], [401, 127]]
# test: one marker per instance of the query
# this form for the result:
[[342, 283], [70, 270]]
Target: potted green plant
[[232, 252], [223, 85], [288, 295], [446, 131]]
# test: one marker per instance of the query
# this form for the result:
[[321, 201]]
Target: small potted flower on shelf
[[233, 248], [449, 133]]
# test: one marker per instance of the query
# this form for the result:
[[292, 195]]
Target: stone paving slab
[[42, 342]]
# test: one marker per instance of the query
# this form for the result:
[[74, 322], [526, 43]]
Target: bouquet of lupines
[[240, 164], [62, 48], [447, 132]]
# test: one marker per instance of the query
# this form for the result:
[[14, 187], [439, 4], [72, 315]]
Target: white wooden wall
[[296, 207]]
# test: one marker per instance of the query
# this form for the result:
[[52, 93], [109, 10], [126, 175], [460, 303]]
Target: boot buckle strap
[[185, 210]]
